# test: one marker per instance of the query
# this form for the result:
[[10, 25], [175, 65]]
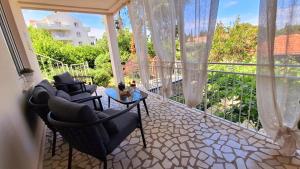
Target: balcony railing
[[230, 92], [51, 67], [54, 26], [63, 37]]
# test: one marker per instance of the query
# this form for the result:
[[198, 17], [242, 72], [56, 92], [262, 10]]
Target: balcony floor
[[178, 137]]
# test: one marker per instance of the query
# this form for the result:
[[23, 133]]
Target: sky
[[248, 10], [228, 11]]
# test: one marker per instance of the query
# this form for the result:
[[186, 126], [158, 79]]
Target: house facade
[[65, 28]]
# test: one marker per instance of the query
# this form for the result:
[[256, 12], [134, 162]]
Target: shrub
[[101, 77]]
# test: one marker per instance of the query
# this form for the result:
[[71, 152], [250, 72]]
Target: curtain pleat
[[162, 22], [196, 23], [278, 87], [137, 16]]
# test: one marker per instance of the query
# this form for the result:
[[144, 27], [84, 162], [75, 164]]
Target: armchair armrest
[[93, 98], [120, 113], [80, 125], [35, 104], [87, 99], [67, 84], [81, 83]]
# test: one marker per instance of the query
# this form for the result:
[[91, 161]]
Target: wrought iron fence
[[51, 67], [230, 92]]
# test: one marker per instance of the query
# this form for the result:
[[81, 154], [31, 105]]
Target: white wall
[[66, 20], [19, 148]]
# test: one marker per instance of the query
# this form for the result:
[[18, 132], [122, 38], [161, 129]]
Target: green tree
[[235, 43], [150, 47]]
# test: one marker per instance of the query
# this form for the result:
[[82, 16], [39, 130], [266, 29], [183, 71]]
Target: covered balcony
[[222, 129], [180, 137]]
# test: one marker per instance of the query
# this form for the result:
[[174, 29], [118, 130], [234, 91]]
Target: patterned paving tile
[[178, 137]]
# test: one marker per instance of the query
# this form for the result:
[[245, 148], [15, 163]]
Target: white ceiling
[[87, 6]]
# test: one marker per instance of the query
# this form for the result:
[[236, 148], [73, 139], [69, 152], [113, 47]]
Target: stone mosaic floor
[[178, 137]]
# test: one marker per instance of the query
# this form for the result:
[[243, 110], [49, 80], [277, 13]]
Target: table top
[[136, 95]]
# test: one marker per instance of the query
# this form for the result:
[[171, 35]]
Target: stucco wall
[[19, 147], [68, 30]]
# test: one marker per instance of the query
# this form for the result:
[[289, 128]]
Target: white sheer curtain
[[278, 88], [137, 16], [162, 23], [196, 20]]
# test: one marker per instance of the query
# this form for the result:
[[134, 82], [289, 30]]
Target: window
[[78, 34], [10, 41], [75, 24]]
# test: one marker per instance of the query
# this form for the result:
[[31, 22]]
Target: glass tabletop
[[135, 95]]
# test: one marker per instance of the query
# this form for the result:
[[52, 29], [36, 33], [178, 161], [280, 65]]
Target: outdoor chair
[[92, 132], [93, 101], [71, 85], [38, 103]]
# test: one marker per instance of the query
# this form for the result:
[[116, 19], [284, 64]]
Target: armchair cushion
[[89, 103], [63, 94], [40, 95], [66, 78], [71, 112], [67, 111], [126, 123], [110, 125], [80, 96], [47, 86]]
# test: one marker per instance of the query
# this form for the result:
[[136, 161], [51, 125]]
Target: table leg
[[141, 125], [108, 102], [145, 105]]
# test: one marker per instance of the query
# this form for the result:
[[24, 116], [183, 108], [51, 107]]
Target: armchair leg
[[53, 143], [105, 163], [100, 104], [70, 157]]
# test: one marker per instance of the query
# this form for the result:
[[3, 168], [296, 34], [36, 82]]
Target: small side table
[[114, 93]]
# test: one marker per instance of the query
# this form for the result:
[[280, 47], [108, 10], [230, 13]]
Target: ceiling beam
[[73, 8], [62, 8]]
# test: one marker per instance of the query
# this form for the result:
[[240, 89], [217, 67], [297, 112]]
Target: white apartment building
[[65, 28]]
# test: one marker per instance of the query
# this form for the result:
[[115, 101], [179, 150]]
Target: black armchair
[[91, 132], [93, 101], [38, 103], [72, 86]]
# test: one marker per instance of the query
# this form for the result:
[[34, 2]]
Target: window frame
[[10, 41]]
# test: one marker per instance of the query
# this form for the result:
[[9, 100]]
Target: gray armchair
[[93, 101], [69, 84], [38, 103], [92, 132]]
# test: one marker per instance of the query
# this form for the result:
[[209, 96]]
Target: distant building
[[65, 28], [281, 48]]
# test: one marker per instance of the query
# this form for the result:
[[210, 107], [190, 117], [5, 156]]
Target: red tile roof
[[281, 48]]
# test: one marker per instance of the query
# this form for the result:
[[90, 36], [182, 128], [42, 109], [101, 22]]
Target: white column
[[113, 48]]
